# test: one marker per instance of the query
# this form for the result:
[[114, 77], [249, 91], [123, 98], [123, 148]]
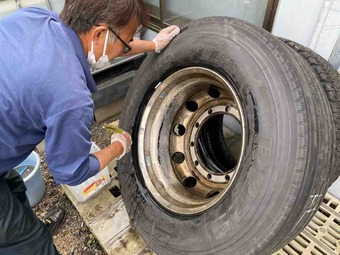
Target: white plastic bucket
[[30, 170], [93, 185]]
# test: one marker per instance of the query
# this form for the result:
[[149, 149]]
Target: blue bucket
[[30, 171]]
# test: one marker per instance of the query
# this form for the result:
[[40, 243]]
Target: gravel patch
[[73, 235]]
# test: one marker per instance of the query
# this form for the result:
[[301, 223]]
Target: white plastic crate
[[322, 235]]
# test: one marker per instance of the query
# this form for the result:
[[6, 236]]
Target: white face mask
[[103, 61]]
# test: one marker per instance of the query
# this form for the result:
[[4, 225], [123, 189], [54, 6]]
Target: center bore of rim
[[213, 148]]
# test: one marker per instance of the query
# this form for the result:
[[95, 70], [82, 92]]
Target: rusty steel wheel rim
[[191, 140]]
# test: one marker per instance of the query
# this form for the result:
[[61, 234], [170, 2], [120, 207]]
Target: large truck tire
[[233, 143], [329, 80]]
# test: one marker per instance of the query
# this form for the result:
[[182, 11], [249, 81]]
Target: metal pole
[[48, 4], [270, 14], [17, 2], [161, 10]]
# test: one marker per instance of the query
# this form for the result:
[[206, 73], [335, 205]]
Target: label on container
[[94, 185], [24, 170]]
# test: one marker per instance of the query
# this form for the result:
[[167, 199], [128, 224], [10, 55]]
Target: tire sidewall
[[256, 196]]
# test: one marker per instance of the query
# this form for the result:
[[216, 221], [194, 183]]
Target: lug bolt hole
[[227, 178], [196, 163], [179, 130], [212, 193], [209, 176], [214, 93], [228, 109], [190, 182], [178, 157], [197, 125], [191, 106], [210, 111], [192, 144]]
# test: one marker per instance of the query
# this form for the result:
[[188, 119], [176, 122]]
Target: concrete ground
[[107, 219]]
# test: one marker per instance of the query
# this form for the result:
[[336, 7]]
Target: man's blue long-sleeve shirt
[[45, 93]]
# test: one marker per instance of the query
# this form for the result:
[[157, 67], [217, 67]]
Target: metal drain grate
[[322, 235]]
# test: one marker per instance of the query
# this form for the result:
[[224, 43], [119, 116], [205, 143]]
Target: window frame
[[157, 23]]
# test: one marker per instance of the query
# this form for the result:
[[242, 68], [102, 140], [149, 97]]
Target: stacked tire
[[329, 80], [285, 99]]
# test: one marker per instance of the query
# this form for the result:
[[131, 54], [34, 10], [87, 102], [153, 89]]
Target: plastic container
[[93, 185], [30, 171]]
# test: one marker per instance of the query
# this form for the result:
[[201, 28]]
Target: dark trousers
[[21, 232]]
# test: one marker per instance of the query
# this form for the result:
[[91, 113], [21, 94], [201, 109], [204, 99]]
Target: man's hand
[[164, 37], [120, 145], [125, 140]]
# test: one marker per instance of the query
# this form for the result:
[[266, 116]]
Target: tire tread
[[329, 79]]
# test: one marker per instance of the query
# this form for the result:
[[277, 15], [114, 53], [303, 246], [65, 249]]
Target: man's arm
[[120, 145], [140, 46], [158, 44], [106, 155]]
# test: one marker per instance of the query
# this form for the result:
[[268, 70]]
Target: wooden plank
[[109, 222]]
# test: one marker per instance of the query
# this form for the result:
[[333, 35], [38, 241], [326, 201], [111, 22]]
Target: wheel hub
[[190, 140]]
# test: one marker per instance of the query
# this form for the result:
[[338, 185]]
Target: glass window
[[33, 3], [54, 5], [9, 6], [57, 5], [153, 7], [250, 10], [179, 12]]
